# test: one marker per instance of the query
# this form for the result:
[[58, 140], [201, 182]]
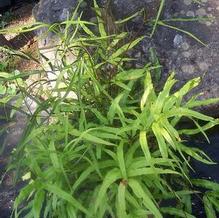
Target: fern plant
[[117, 149]]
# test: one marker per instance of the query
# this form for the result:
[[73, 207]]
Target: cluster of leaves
[[117, 149]]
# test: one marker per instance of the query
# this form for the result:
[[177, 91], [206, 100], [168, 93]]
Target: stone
[[5, 3], [4, 41], [190, 14], [122, 8], [201, 12], [187, 2], [188, 69], [186, 54], [58, 10], [51, 11], [203, 66], [178, 40], [198, 60], [185, 46]]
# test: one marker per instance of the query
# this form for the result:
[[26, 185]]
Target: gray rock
[[122, 8], [51, 11], [178, 40], [192, 59], [5, 3]]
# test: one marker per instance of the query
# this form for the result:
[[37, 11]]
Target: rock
[[190, 14], [186, 56], [5, 3], [178, 40], [4, 41], [188, 69], [51, 11], [123, 8], [201, 12], [187, 2], [58, 10]]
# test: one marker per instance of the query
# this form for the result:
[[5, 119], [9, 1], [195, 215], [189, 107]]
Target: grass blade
[[148, 203]]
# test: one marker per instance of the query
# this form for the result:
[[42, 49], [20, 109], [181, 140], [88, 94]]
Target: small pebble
[[187, 2], [203, 66], [138, 55], [185, 46], [178, 40], [93, 20], [190, 14], [83, 4], [188, 69], [186, 54], [208, 23], [201, 12]]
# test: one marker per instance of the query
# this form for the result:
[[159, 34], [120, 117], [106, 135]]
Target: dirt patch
[[19, 15]]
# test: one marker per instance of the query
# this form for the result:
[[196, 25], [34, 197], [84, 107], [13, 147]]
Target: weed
[[117, 149]]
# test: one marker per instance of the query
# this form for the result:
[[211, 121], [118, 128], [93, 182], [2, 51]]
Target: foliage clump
[[117, 149]]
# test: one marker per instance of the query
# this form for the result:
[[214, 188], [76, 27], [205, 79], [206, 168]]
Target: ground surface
[[20, 14], [181, 53], [17, 16]]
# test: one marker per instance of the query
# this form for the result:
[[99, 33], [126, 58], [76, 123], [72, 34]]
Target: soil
[[21, 14], [18, 15]]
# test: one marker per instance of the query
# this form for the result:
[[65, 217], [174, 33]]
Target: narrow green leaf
[[188, 113], [206, 184], [112, 176], [126, 47], [196, 154], [161, 23], [133, 74], [125, 20], [149, 171], [168, 137], [197, 103], [86, 136], [38, 203], [53, 155], [176, 212], [100, 20], [148, 203], [161, 142], [121, 161], [24, 194], [210, 212], [162, 3], [144, 145], [65, 196], [71, 211], [164, 94], [121, 202]]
